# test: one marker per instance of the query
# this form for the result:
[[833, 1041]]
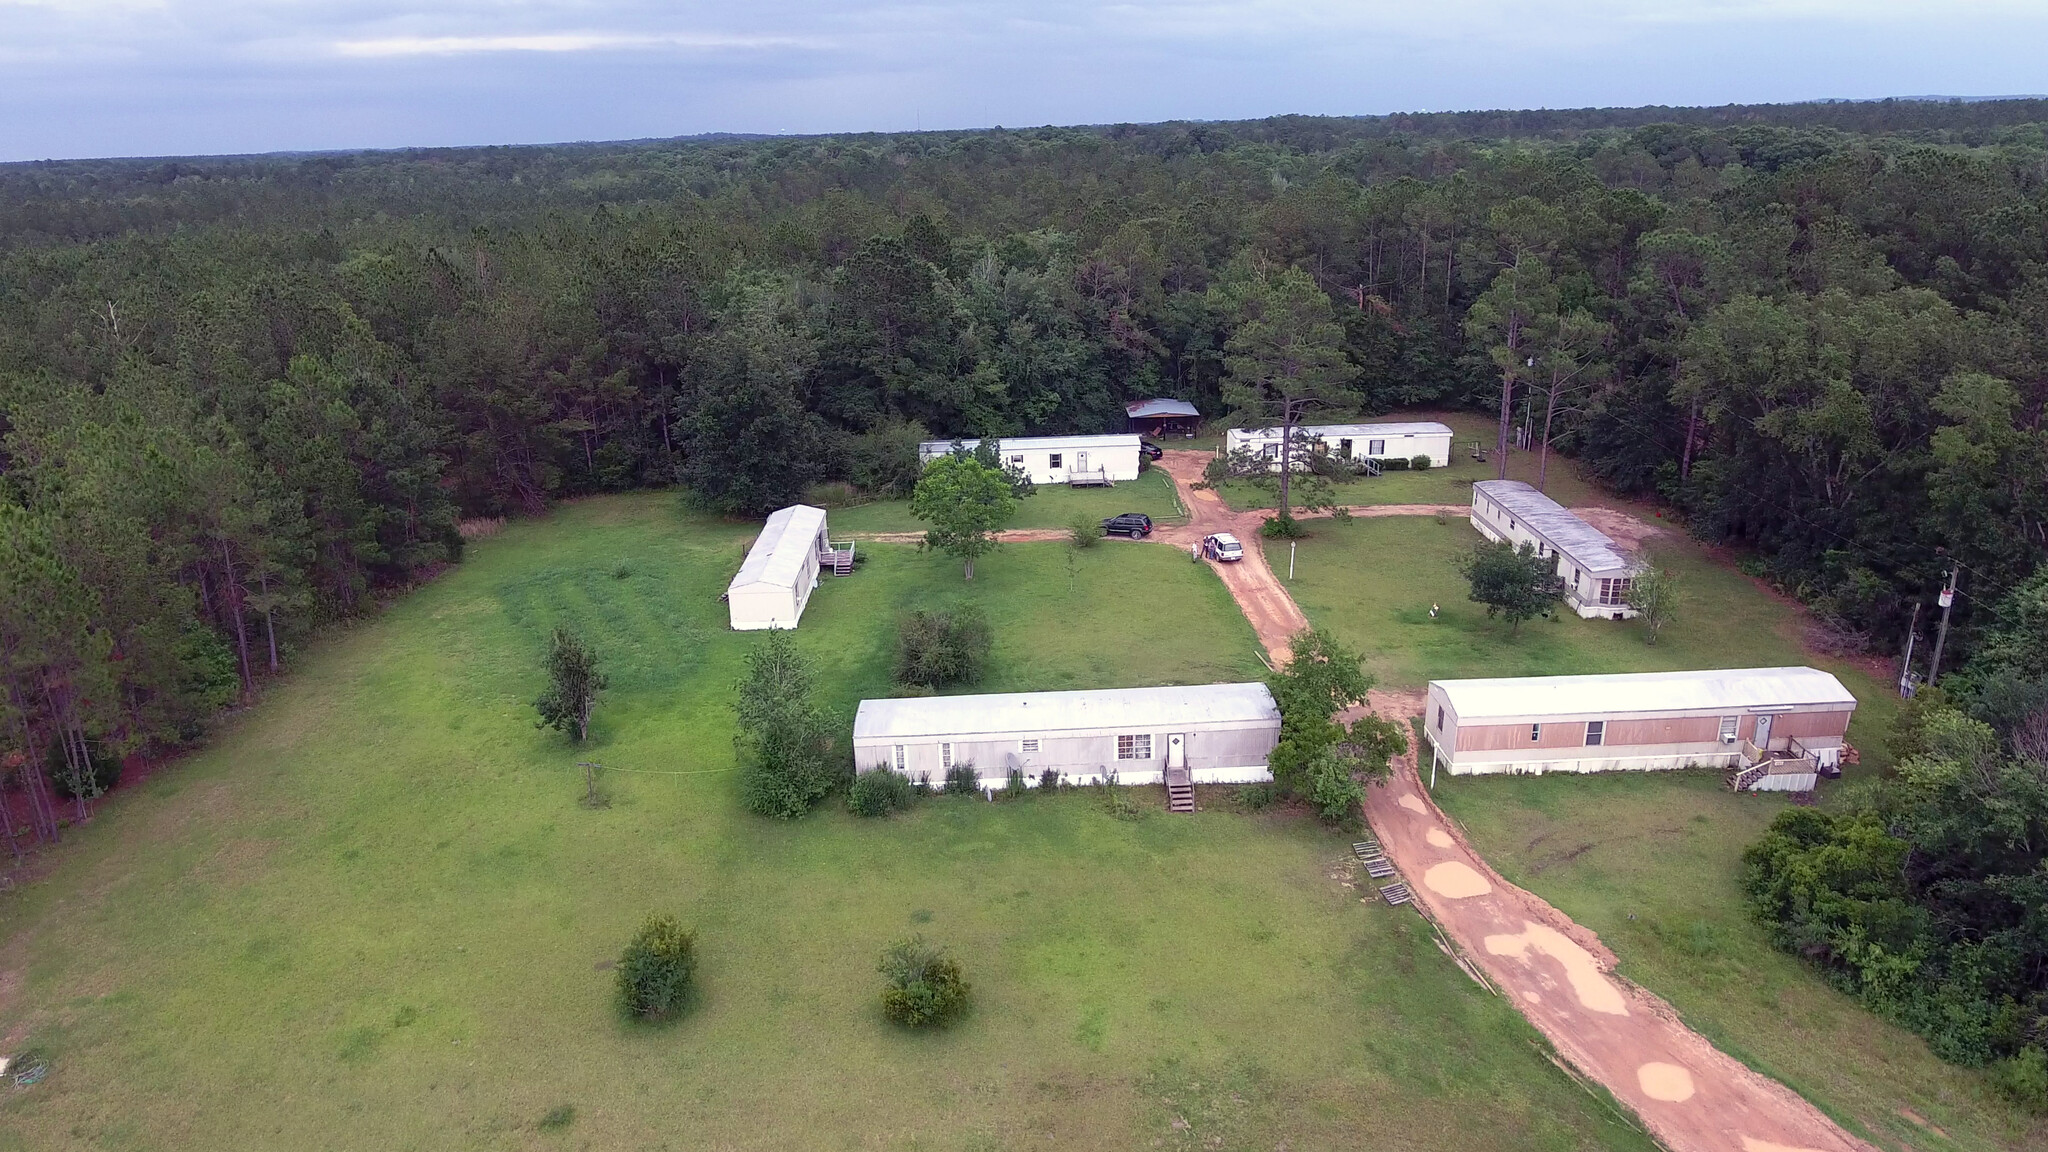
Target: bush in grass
[[1420, 463], [2024, 1079], [1084, 532], [1394, 464], [1258, 797], [1049, 780], [934, 649], [879, 792], [921, 785], [924, 986], [657, 968], [961, 780], [1015, 788], [1282, 528]]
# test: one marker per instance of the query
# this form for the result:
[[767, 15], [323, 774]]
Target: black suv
[[1152, 451], [1133, 524]]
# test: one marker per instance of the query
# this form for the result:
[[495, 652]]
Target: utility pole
[[1906, 665], [1948, 599]]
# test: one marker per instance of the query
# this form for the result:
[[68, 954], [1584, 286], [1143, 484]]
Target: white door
[[1080, 461], [1176, 751], [1763, 732]]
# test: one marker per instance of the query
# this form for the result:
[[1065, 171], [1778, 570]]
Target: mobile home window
[[897, 758], [1535, 731], [1375, 447], [1728, 724], [1052, 460], [1138, 747], [1271, 451], [1017, 461], [946, 755], [1439, 717], [1027, 745], [1614, 591], [1596, 732]]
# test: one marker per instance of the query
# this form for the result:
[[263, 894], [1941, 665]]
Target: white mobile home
[[1202, 734], [780, 571], [1779, 728], [1059, 459], [1360, 442], [1595, 571]]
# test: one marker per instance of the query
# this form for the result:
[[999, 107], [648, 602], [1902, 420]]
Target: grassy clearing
[[1449, 485], [373, 915], [1650, 862], [1051, 506]]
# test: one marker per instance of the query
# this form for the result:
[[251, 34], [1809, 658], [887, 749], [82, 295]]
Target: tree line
[[243, 398]]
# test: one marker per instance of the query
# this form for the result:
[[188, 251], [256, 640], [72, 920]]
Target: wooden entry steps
[[1180, 790]]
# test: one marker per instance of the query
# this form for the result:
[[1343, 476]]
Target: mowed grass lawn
[[1449, 485], [373, 914], [1650, 862], [1049, 506]]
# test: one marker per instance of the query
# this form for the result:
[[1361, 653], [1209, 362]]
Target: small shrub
[[1341, 514], [1015, 788], [1282, 528], [106, 771], [1754, 567], [1084, 532], [557, 1118], [1258, 797], [2024, 1079], [939, 648], [961, 780], [1394, 464], [657, 968], [621, 571], [879, 792], [1049, 780], [1419, 463], [924, 986], [1442, 517], [922, 785], [1116, 800]]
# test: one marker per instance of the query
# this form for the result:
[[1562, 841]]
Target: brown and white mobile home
[[1778, 728]]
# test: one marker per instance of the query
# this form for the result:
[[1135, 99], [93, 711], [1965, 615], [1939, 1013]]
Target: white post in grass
[[1290, 560]]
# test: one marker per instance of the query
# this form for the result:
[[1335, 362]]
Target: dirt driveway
[[1692, 1096]]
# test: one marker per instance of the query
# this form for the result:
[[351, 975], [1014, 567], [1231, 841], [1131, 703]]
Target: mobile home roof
[[1362, 431], [1030, 713], [1729, 689], [1593, 549], [1022, 443], [778, 554]]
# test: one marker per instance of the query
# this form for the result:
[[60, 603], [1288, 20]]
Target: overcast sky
[[180, 77]]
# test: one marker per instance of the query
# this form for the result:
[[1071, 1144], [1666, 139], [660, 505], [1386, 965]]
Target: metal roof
[[778, 554], [1723, 689], [1161, 407], [931, 448], [1594, 550], [1358, 431], [1190, 705]]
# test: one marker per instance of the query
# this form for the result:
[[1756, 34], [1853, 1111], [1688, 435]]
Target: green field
[[1050, 506], [1451, 485], [373, 915], [1650, 862]]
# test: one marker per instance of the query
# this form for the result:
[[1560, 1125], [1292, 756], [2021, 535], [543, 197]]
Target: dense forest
[[243, 397]]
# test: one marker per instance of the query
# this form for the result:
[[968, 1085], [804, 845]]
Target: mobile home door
[[1177, 751]]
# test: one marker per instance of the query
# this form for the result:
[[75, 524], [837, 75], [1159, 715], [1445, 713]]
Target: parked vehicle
[[1136, 525], [1152, 451], [1222, 546]]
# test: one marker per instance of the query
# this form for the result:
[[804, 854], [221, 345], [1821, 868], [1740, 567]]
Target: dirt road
[[1692, 1096]]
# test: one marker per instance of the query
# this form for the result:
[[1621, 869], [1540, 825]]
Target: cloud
[[387, 46]]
